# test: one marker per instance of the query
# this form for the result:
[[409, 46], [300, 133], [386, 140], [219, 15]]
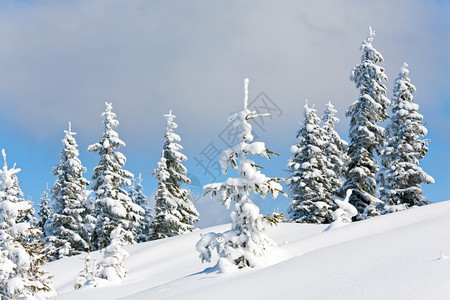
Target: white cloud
[[62, 60]]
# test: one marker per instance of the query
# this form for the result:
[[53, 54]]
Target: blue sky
[[61, 60]]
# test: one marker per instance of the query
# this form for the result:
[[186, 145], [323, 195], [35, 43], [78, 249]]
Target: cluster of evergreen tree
[[321, 159], [118, 211], [315, 168], [74, 222], [71, 221], [21, 250]]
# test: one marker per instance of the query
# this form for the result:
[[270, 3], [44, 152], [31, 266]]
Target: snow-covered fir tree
[[113, 205], [65, 228], [366, 137], [45, 209], [21, 259], [30, 216], [90, 219], [175, 213], [110, 268], [245, 244], [335, 151], [401, 176], [309, 185], [139, 198]]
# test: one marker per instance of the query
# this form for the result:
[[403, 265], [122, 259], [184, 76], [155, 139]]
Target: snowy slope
[[395, 256]]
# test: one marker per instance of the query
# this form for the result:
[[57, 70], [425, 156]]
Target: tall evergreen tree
[[245, 244], [113, 205], [21, 274], [175, 212], [401, 176], [139, 198], [45, 209], [65, 228], [335, 150], [309, 185], [366, 136]]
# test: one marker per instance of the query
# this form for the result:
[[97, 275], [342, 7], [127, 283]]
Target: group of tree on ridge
[[74, 220], [323, 166]]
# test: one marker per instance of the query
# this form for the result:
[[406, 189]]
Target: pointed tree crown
[[401, 176], [366, 137], [174, 212], [246, 241], [114, 207], [309, 185], [64, 229]]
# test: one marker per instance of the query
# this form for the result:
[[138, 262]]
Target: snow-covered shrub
[[86, 277], [111, 269], [344, 214]]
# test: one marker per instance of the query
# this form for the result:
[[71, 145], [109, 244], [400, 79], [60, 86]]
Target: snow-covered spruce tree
[[175, 213], [21, 275], [139, 198], [113, 206], [30, 216], [401, 176], [86, 277], [335, 151], [90, 219], [65, 227], [112, 267], [45, 209], [366, 136], [245, 244], [308, 184]]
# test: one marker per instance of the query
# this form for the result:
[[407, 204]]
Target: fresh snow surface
[[396, 256]]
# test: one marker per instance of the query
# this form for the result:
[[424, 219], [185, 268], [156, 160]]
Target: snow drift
[[396, 256]]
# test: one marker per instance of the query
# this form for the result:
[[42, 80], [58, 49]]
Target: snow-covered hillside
[[396, 256]]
